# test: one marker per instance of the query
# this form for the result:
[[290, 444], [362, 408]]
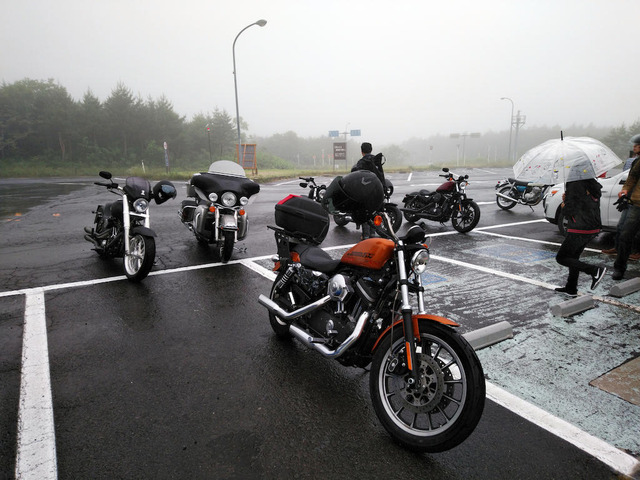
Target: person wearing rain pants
[[630, 193], [581, 207]]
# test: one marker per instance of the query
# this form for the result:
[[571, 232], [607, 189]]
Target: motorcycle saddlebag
[[302, 217]]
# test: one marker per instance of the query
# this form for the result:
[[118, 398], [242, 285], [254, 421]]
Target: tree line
[[40, 123]]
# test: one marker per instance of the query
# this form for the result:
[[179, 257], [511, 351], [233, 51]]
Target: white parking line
[[36, 451], [607, 454], [36, 448]]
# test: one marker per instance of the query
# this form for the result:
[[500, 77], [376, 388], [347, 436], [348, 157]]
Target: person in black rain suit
[[581, 207], [372, 163]]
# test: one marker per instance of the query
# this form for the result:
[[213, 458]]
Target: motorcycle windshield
[[137, 187], [225, 176], [226, 167]]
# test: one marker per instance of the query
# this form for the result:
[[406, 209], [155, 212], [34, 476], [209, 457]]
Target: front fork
[[407, 317], [126, 220]]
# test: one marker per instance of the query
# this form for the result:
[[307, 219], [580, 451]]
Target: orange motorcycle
[[367, 308]]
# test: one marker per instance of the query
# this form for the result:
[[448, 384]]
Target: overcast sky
[[393, 69]]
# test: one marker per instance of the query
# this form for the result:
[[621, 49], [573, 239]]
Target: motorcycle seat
[[315, 258], [519, 182]]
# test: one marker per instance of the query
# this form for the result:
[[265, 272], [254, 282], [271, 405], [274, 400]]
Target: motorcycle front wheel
[[443, 411], [394, 214], [142, 253], [502, 202], [226, 249], [466, 217]]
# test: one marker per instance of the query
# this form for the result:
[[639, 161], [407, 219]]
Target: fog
[[393, 70]]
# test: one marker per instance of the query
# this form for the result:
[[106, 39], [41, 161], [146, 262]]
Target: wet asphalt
[[181, 377]]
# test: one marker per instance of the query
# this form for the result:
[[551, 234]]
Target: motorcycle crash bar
[[307, 339]]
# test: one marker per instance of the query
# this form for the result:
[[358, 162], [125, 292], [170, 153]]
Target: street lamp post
[[260, 23], [510, 125], [518, 121]]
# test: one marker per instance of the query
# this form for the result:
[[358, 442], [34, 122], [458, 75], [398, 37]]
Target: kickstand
[[531, 208]]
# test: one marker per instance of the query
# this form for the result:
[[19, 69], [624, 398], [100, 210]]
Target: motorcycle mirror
[[445, 170], [106, 175], [303, 185]]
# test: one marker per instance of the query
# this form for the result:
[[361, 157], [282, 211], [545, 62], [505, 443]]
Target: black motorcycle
[[214, 208], [511, 192], [391, 209], [121, 229], [448, 202], [316, 192]]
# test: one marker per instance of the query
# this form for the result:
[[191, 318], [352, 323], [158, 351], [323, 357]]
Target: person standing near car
[[633, 159], [581, 207], [629, 199]]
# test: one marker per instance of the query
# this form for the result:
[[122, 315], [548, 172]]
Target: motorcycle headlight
[[244, 200], [213, 197], [229, 199], [140, 205], [419, 261]]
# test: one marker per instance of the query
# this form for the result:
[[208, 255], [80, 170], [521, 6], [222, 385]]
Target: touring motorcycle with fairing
[[367, 308], [214, 209], [122, 229]]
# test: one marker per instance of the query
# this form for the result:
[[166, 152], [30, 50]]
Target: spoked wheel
[[445, 407], [142, 253], [282, 298], [502, 202], [226, 249], [466, 217]]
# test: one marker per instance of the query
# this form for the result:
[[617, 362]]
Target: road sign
[[355, 133], [340, 151], [334, 133]]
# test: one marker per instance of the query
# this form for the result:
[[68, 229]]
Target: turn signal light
[[377, 221], [212, 209], [241, 212]]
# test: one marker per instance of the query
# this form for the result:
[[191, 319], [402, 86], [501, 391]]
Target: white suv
[[609, 214]]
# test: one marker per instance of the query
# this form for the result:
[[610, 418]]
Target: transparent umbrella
[[565, 160]]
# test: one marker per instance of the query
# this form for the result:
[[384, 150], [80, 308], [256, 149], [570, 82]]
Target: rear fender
[[416, 322]]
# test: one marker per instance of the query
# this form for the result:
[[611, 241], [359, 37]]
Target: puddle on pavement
[[16, 199]]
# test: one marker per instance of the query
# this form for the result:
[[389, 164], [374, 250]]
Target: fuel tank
[[371, 253]]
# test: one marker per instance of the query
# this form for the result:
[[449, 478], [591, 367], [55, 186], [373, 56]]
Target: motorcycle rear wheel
[[414, 204], [465, 218], [280, 328], [450, 406], [502, 202], [142, 253]]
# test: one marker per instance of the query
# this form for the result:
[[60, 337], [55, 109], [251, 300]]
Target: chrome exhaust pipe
[[308, 340], [303, 336], [498, 194], [274, 308]]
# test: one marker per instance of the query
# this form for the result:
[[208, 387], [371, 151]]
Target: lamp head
[[261, 23]]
